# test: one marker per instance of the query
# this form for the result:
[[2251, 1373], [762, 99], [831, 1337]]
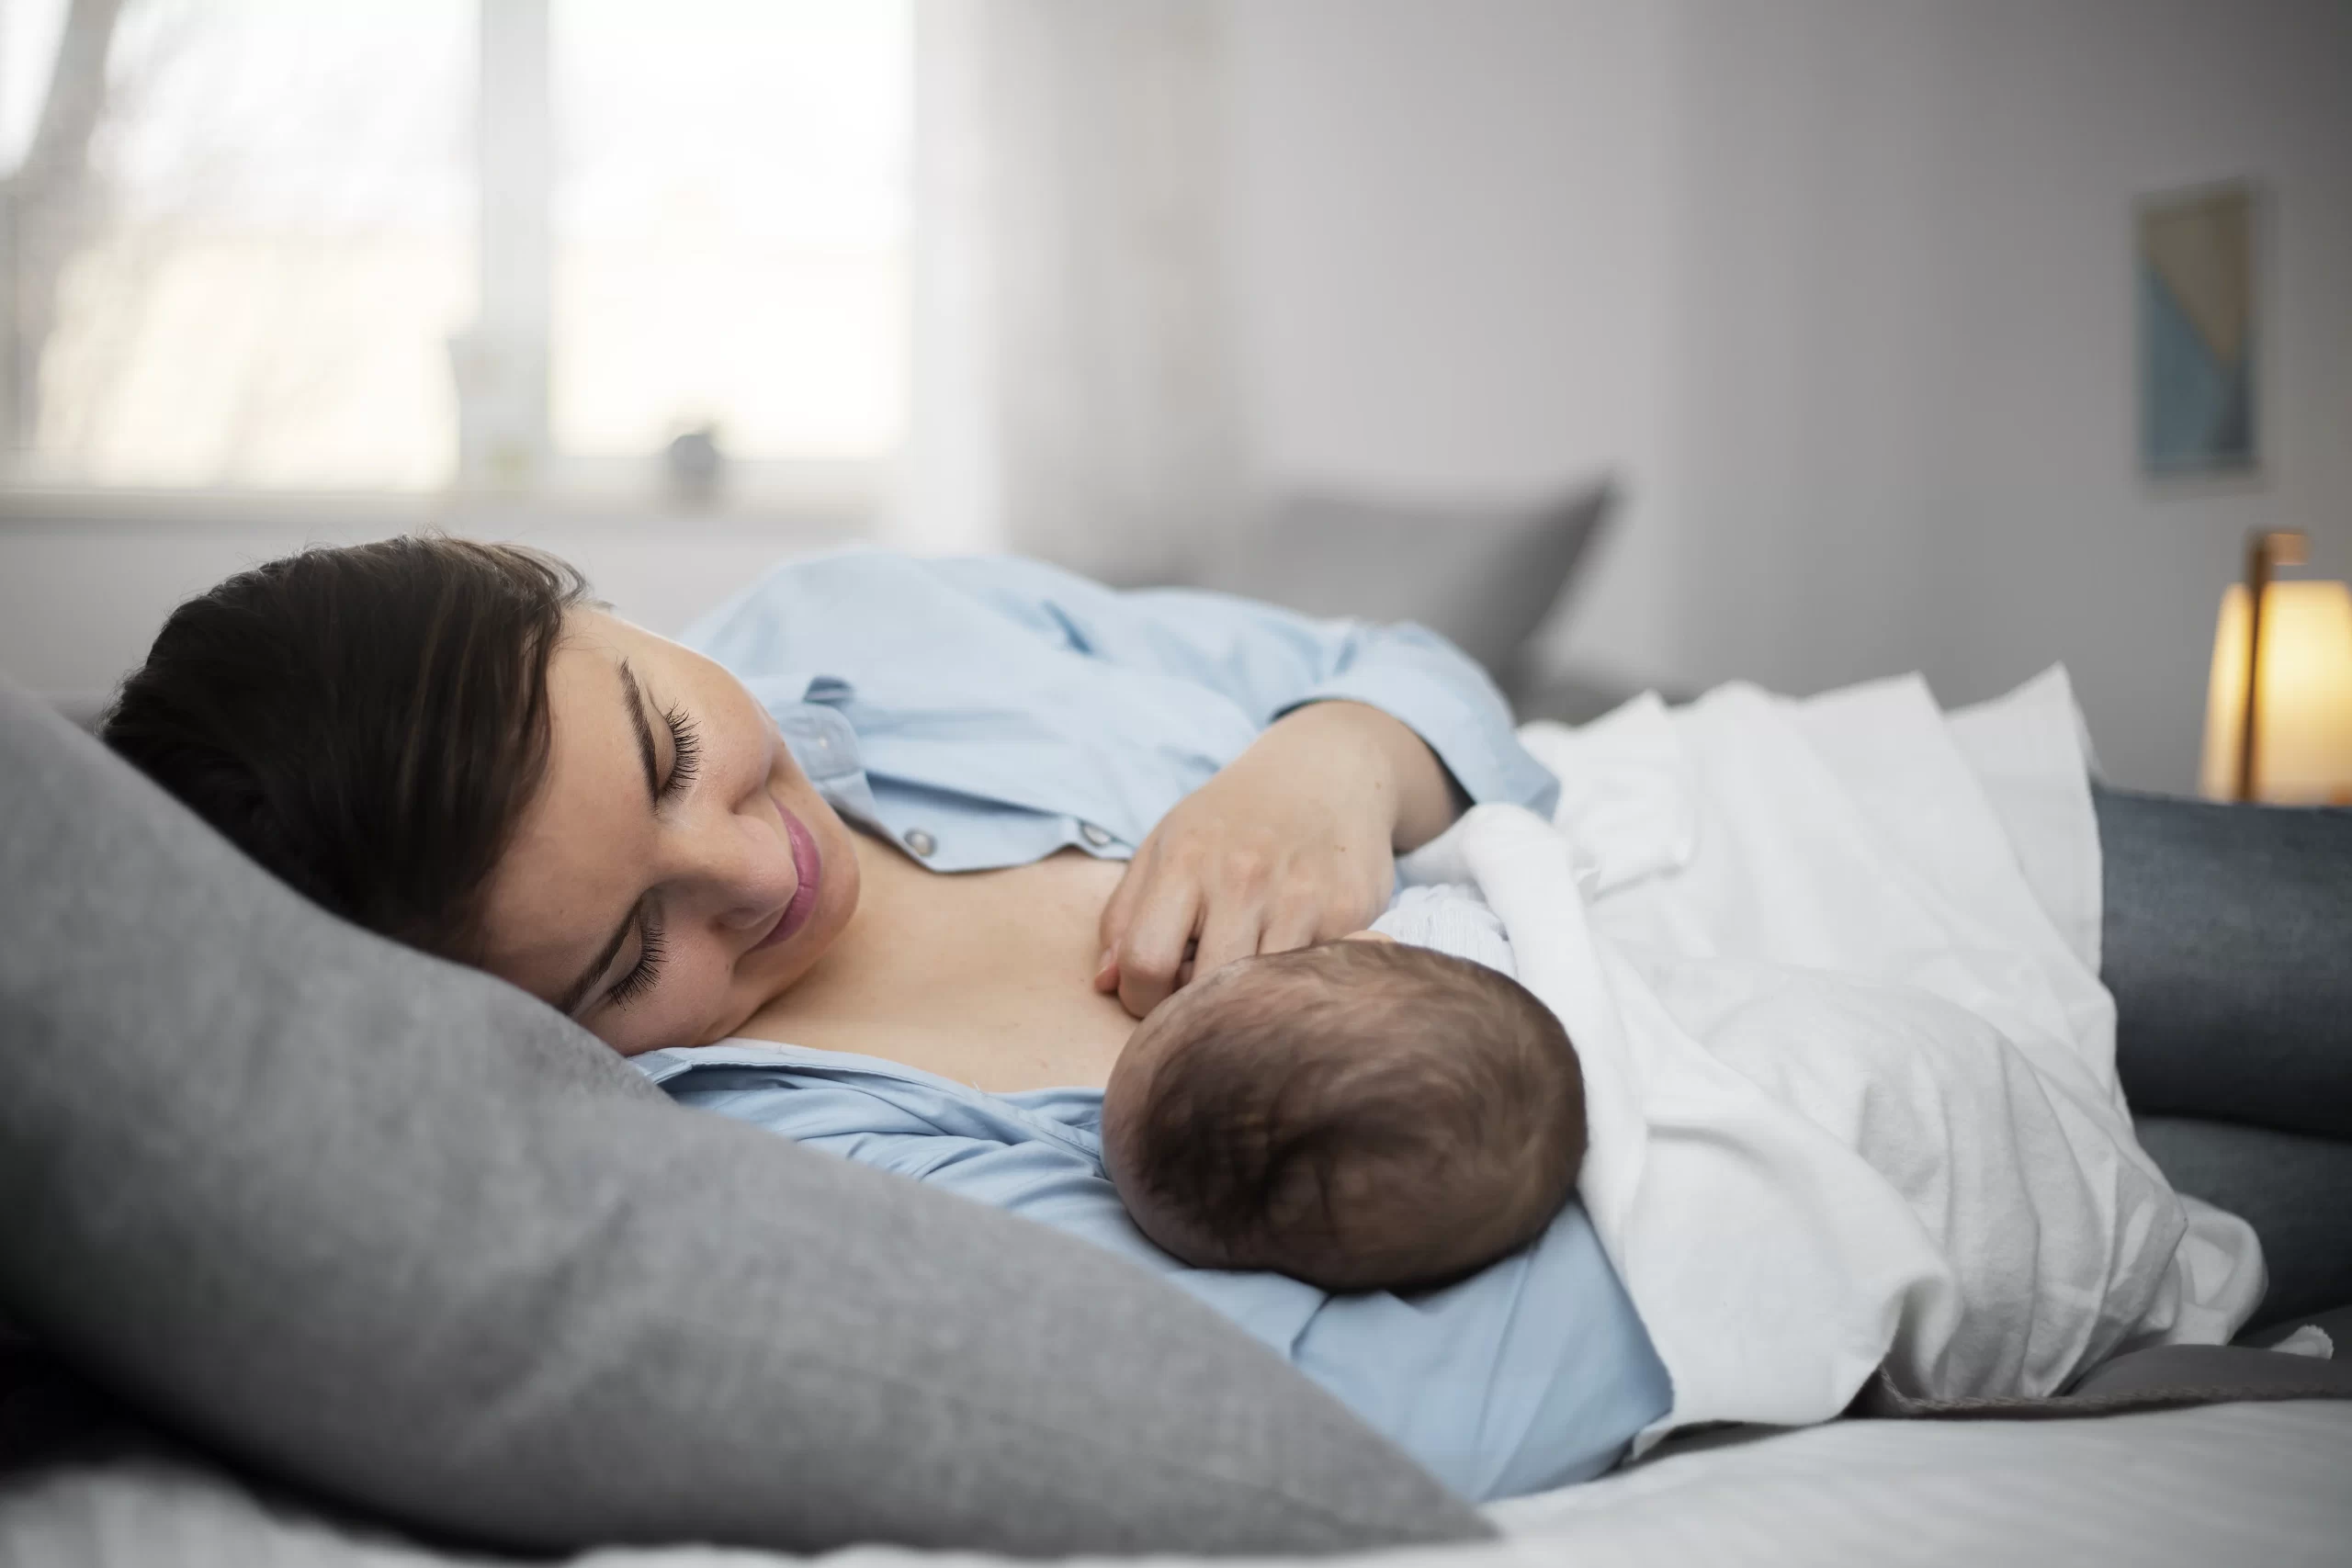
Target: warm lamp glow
[[2302, 714]]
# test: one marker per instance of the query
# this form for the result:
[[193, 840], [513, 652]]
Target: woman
[[449, 743]]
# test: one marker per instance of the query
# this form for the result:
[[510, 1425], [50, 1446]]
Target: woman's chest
[[984, 978]]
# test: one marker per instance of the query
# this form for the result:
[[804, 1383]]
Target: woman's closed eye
[[647, 971], [685, 761]]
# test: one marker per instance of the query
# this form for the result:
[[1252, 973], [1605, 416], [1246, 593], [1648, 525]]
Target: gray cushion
[[2289, 1187], [391, 1228], [2209, 1374], [2225, 945], [1482, 575]]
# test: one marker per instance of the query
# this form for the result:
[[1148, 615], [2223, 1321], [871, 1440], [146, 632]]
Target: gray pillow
[[391, 1228], [1482, 575], [2289, 1186], [2212, 1374]]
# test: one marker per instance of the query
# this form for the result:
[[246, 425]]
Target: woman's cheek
[[705, 1001], [630, 1036], [667, 1019]]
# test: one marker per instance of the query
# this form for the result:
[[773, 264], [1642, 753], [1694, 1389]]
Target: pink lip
[[811, 868]]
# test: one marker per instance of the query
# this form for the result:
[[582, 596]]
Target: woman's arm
[[1373, 740], [1292, 843], [1267, 663]]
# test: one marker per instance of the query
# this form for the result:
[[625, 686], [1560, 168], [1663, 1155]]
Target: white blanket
[[1830, 966]]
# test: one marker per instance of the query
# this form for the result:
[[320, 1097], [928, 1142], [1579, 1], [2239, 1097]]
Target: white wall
[[2043, 540], [1845, 285], [80, 599], [1449, 248]]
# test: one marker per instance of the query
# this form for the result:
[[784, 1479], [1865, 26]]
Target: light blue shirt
[[1534, 1372], [988, 712]]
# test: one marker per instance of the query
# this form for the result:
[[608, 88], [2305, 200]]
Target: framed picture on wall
[[2200, 330]]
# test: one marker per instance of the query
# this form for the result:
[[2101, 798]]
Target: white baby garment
[[1451, 917]]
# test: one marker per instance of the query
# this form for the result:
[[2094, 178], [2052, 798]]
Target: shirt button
[[1092, 834], [923, 843]]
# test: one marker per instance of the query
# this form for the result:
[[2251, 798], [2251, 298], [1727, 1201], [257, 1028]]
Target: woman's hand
[[1292, 843]]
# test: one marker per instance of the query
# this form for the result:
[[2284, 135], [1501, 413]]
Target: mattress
[[2219, 1484]]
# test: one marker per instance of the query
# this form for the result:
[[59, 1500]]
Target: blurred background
[[1845, 300]]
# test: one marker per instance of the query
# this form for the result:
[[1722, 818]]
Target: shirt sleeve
[[1271, 660]]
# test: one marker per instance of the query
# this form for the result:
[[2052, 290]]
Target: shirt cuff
[[1469, 729]]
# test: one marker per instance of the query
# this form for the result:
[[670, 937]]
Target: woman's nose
[[742, 862]]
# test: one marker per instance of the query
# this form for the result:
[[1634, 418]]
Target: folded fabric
[[1850, 1080]]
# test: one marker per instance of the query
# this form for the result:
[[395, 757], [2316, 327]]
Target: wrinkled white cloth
[[1830, 967], [2310, 1340]]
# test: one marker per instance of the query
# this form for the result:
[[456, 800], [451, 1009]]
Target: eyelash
[[639, 980], [685, 752], [685, 757]]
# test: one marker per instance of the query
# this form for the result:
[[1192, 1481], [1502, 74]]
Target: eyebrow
[[633, 702], [633, 699]]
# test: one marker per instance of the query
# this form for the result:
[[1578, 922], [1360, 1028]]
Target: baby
[[1365, 1114]]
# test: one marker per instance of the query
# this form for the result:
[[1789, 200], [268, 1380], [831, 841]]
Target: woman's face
[[676, 869]]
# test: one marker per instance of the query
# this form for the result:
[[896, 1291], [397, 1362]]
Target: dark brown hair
[[367, 722], [1360, 1115]]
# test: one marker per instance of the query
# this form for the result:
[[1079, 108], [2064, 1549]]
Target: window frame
[[515, 269]]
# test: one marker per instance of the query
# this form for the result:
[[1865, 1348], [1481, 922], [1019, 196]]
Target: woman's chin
[[837, 899]]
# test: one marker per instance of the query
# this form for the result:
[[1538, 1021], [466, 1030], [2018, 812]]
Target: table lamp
[[2278, 708]]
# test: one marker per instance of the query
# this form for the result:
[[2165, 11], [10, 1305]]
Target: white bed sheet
[[2222, 1485]]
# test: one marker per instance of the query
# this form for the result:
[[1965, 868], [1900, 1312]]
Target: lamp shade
[[2302, 747]]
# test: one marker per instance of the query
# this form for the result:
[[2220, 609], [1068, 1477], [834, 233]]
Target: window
[[729, 225], [399, 245]]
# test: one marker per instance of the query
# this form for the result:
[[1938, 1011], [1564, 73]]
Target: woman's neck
[[983, 976]]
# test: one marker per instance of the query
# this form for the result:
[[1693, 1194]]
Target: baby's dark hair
[[1359, 1115]]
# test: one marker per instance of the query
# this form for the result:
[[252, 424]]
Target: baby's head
[[1359, 1115]]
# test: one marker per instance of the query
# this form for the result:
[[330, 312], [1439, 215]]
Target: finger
[[1110, 928], [1152, 951], [1118, 910], [1106, 972], [1294, 925], [1229, 929]]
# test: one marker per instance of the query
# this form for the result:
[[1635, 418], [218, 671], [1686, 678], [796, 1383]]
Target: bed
[[2197, 1487], [412, 1280]]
